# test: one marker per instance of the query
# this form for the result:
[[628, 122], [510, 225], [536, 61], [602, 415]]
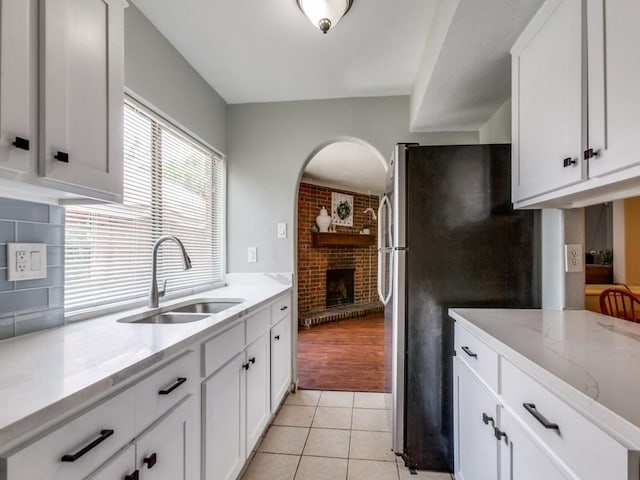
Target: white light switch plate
[[252, 254], [26, 261], [282, 230], [573, 258]]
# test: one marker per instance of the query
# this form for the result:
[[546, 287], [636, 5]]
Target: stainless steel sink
[[169, 318], [209, 306]]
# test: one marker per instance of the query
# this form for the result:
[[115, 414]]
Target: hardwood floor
[[346, 355]]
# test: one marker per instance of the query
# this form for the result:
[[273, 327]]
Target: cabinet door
[[280, 360], [475, 411], [82, 95], [18, 51], [614, 76], [223, 407], [121, 467], [522, 458], [549, 108], [258, 381], [166, 450]]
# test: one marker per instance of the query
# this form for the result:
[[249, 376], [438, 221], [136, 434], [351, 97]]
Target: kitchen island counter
[[589, 360]]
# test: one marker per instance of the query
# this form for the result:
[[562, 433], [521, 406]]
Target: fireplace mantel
[[347, 239]]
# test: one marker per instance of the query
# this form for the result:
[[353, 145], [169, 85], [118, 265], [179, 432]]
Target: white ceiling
[[267, 50], [347, 166]]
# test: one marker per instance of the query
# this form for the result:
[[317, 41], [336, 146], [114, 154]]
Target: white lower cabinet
[[224, 421], [121, 466], [258, 368], [476, 416], [522, 458], [168, 449], [280, 360]]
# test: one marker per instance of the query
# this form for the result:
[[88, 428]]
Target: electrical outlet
[[573, 258], [26, 261], [252, 254]]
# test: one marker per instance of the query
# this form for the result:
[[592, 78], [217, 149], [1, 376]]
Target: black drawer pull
[[469, 352], [531, 408], [245, 366], [252, 360], [21, 143], [567, 162], [499, 433], [487, 419], [168, 390], [591, 153], [282, 309], [133, 476], [277, 337], [62, 157], [72, 457], [150, 461]]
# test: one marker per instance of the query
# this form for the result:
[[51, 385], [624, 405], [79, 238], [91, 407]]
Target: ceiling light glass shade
[[325, 14]]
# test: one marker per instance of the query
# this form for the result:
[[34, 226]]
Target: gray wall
[[157, 74], [269, 145], [498, 128], [30, 305]]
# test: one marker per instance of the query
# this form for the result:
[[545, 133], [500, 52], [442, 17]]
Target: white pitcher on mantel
[[323, 220]]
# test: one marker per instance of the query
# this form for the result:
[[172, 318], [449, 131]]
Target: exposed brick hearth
[[313, 262]]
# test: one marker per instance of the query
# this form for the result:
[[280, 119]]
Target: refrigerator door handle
[[382, 249]]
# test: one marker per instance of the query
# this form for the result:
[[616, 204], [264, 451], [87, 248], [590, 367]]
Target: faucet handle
[[164, 288]]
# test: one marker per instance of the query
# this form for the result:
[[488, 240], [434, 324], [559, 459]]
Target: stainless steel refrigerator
[[448, 237]]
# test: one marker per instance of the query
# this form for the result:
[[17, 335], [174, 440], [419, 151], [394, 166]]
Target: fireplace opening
[[340, 287]]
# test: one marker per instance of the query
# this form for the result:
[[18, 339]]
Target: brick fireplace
[[315, 261]]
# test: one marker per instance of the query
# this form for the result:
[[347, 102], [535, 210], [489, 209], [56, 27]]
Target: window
[[172, 186]]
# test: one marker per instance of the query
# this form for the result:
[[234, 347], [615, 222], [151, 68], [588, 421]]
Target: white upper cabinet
[[548, 115], [18, 82], [576, 104], [61, 98], [82, 94], [614, 76]]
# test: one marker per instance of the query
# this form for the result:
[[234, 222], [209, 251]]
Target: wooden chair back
[[619, 303]]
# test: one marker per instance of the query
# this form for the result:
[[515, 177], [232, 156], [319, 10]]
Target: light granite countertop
[[591, 361], [49, 373]]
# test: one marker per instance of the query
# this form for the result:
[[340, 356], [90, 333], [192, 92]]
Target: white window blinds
[[172, 186]]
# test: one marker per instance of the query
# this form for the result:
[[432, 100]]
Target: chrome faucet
[[154, 295]]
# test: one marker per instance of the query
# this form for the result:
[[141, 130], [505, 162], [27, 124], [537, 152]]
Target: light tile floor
[[331, 436]]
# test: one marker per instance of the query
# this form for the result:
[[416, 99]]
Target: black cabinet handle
[[531, 408], [252, 360], [21, 143], [62, 157], [168, 390], [282, 309], [151, 460], [133, 476], [499, 433], [590, 153], [469, 352], [72, 457], [487, 419], [277, 337], [245, 366], [567, 162]]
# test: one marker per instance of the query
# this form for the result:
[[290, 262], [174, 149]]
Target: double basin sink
[[192, 312]]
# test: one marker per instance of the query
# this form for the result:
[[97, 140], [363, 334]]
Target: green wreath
[[343, 210]]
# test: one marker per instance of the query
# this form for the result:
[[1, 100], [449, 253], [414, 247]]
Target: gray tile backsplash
[[31, 305]]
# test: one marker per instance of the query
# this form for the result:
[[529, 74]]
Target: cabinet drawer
[[157, 393], [583, 447], [85, 442], [257, 324], [219, 350], [280, 308], [477, 355]]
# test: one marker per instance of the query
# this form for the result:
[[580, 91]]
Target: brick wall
[[313, 262]]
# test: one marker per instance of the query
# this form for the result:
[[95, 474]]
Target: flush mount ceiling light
[[324, 14]]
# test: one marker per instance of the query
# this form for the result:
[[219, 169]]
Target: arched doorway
[[340, 316]]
